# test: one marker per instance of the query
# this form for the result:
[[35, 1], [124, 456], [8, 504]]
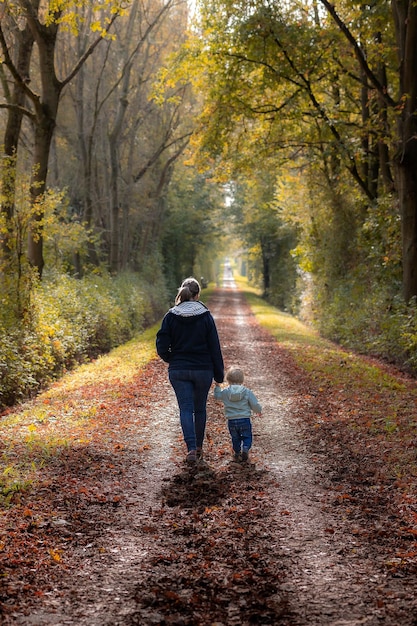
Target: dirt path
[[228, 544]]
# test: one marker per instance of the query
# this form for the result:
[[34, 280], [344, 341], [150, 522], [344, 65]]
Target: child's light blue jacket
[[238, 400]]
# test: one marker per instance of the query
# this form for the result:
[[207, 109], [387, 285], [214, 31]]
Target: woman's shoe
[[191, 456]]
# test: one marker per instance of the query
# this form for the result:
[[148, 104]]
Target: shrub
[[69, 322], [374, 321]]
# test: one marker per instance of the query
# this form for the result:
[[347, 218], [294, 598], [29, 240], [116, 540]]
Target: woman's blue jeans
[[191, 388], [241, 432]]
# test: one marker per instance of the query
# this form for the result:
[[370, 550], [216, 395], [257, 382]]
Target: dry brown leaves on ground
[[316, 530]]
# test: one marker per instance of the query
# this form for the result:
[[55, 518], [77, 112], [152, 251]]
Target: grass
[[366, 396], [68, 413], [326, 362]]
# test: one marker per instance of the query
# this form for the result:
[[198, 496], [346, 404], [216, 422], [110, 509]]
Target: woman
[[189, 342]]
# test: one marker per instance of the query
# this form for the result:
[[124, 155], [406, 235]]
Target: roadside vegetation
[[66, 415], [68, 321], [361, 410], [373, 402]]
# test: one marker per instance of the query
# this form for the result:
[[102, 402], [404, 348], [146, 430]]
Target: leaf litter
[[320, 528]]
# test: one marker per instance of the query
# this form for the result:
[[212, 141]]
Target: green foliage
[[194, 227], [70, 321], [11, 483], [357, 297], [284, 86], [15, 274], [65, 236], [282, 292], [328, 365], [255, 216], [372, 321]]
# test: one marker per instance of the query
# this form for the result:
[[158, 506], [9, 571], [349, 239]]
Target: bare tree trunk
[[12, 133], [114, 209], [46, 108], [43, 139], [383, 130], [405, 18]]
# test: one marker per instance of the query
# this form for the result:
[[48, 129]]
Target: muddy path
[[226, 544]]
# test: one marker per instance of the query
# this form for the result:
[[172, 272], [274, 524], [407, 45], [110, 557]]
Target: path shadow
[[195, 488], [201, 486], [218, 560]]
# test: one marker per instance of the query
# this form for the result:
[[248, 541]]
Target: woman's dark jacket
[[188, 340]]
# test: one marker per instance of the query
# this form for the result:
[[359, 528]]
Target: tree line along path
[[145, 540]]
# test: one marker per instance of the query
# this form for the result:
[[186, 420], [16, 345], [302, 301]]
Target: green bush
[[371, 320], [69, 322]]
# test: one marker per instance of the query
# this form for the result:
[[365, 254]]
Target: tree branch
[[87, 53], [16, 107], [11, 66], [359, 54], [162, 148], [352, 166]]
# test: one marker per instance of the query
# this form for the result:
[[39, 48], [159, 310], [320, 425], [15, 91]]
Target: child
[[239, 402]]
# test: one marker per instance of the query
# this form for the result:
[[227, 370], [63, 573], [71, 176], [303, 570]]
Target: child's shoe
[[199, 453], [245, 455], [236, 457]]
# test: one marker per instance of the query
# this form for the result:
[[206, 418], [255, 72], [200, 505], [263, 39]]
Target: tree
[[194, 227], [284, 79], [405, 105], [129, 134], [15, 101], [44, 26], [255, 214]]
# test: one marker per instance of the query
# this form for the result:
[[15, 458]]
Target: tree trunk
[[114, 140], [43, 138], [407, 187], [45, 105], [114, 209], [405, 19], [85, 153], [266, 265], [11, 136], [383, 130], [405, 23]]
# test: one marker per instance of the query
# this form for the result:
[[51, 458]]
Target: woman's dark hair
[[190, 288]]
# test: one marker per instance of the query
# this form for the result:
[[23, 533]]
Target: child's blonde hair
[[234, 375]]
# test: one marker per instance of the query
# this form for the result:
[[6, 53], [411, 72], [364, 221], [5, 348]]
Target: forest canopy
[[320, 99]]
